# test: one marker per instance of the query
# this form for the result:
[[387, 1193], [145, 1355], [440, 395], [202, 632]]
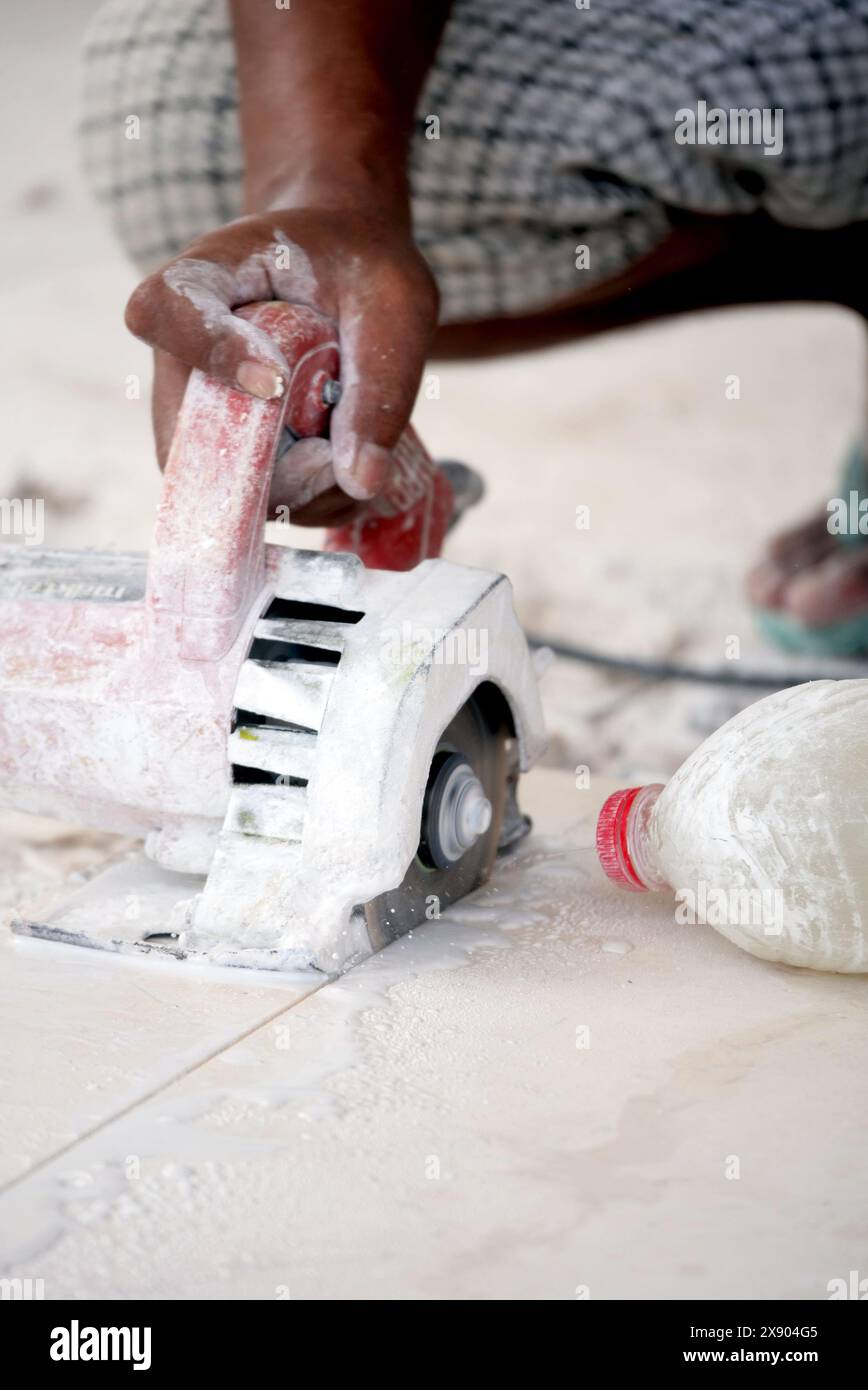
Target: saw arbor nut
[[456, 811]]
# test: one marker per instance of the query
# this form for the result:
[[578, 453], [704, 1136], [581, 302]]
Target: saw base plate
[[126, 908], [132, 907]]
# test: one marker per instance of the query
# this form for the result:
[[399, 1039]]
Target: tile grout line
[[155, 1091]]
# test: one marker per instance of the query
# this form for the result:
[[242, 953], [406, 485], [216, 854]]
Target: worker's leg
[[159, 130], [545, 172], [703, 263]]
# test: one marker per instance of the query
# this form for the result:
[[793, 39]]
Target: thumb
[[384, 339]]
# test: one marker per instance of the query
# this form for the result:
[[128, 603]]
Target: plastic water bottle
[[763, 831]]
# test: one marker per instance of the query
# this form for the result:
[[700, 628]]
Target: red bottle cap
[[612, 846]]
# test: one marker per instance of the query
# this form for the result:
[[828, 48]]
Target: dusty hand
[[355, 268]]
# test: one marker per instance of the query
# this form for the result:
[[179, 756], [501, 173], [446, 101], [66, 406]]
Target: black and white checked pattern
[[556, 130]]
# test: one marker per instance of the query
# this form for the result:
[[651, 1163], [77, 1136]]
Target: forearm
[[327, 91]]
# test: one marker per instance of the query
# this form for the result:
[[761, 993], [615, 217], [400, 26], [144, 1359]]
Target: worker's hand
[[358, 269], [807, 574]]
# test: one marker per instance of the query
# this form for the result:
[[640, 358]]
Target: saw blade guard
[[305, 849]]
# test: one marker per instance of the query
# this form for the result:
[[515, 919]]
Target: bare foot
[[807, 574]]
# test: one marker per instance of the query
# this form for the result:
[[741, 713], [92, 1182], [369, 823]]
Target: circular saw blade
[[425, 891]]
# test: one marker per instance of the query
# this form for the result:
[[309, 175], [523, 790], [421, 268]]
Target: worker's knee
[[160, 140]]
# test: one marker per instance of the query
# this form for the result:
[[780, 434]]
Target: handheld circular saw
[[320, 750]]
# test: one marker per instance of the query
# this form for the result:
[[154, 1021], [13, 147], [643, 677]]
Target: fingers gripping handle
[[208, 558], [207, 562]]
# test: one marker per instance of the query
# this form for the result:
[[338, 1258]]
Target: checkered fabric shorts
[[556, 130]]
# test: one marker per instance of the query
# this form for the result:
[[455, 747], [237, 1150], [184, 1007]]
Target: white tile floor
[[553, 1089]]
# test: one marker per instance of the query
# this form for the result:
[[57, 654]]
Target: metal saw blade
[[426, 891]]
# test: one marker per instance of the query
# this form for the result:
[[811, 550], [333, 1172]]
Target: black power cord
[[673, 671]]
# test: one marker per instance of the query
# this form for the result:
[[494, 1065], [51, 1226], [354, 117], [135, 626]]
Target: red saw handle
[[207, 562]]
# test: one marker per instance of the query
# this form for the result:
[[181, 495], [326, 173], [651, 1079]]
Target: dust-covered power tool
[[320, 749]]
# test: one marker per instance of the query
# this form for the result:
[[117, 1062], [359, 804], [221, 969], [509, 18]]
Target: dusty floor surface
[[553, 1092], [601, 1167]]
